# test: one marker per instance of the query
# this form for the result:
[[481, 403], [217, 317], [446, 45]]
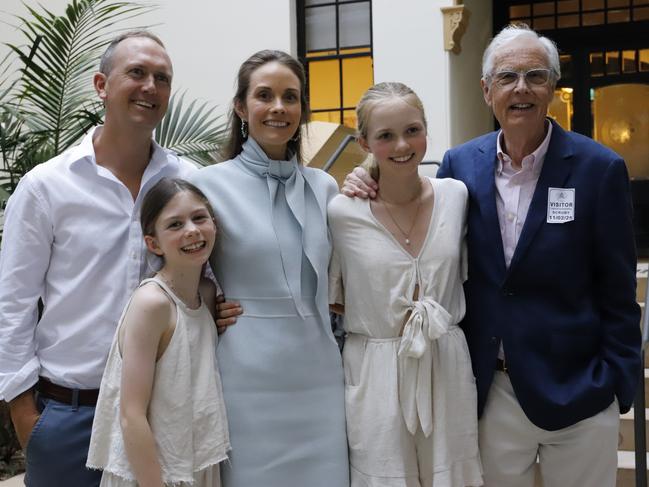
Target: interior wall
[[413, 52], [206, 40], [469, 116], [408, 47]]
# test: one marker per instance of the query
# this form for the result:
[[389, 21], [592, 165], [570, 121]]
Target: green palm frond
[[55, 94], [192, 131], [11, 123], [47, 100], [51, 102]]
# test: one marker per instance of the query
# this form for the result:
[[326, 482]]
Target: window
[[335, 46], [563, 14], [618, 62]]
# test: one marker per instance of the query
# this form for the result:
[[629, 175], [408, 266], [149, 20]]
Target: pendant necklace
[[406, 235]]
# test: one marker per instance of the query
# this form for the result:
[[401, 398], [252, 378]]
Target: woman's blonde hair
[[372, 97]]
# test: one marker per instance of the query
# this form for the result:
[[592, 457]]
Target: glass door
[[620, 115]]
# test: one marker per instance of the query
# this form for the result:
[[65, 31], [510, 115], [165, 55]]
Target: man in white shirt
[[72, 238]]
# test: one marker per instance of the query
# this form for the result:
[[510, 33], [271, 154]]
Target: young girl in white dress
[[396, 273], [160, 418]]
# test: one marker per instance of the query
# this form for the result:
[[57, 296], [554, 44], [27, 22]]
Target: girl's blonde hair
[[372, 97]]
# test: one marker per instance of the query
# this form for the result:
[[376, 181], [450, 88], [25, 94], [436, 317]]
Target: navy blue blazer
[[566, 308]]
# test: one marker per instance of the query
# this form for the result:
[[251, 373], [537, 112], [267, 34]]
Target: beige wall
[[469, 116], [409, 47], [207, 40]]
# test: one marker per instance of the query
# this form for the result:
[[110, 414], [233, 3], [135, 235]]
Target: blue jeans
[[57, 448]]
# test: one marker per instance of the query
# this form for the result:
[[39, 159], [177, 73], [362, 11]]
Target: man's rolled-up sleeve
[[24, 259], [615, 282]]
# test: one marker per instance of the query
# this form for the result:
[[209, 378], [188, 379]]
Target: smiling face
[[272, 108], [184, 231], [519, 107], [396, 136], [136, 90]]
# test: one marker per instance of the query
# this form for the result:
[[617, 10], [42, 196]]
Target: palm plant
[[193, 132], [10, 124], [52, 103]]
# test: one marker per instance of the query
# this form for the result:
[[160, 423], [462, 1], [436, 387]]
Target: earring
[[244, 129], [297, 135]]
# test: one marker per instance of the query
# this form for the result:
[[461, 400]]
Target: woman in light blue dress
[[280, 366]]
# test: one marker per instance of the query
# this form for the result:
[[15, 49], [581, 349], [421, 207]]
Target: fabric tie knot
[[281, 170], [427, 322], [290, 193]]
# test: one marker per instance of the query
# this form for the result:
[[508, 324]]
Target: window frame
[[336, 53]]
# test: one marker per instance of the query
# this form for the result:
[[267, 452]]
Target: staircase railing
[[639, 416], [431, 163], [331, 161], [343, 144]]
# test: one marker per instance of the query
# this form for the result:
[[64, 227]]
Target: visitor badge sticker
[[561, 205]]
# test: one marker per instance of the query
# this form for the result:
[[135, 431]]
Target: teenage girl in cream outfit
[[396, 274]]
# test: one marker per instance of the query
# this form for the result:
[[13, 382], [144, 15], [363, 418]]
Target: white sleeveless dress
[[186, 411]]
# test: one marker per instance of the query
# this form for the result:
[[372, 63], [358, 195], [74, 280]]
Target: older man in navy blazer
[[552, 322]]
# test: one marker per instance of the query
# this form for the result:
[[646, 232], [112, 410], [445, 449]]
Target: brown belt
[[501, 366], [74, 397]]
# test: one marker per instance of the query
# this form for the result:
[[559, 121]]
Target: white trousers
[[581, 455]]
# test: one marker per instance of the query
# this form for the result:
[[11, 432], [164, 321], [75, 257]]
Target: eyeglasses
[[533, 77]]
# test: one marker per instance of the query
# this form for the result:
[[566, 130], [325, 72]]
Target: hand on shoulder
[[359, 183]]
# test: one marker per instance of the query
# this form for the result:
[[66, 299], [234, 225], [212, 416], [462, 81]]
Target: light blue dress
[[280, 366]]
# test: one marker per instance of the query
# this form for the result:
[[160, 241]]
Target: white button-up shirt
[[72, 237]]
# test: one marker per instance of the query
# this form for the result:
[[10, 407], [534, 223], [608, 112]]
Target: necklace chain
[[169, 282], [406, 235]]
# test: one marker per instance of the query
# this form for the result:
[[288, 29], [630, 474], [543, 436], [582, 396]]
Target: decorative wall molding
[[456, 20]]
